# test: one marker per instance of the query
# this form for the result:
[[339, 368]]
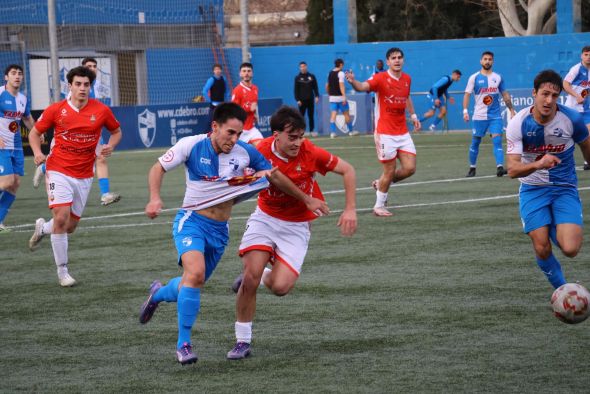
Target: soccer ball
[[570, 303]]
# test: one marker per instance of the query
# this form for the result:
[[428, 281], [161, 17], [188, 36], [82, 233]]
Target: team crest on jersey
[[146, 123], [557, 132], [93, 118], [234, 164]]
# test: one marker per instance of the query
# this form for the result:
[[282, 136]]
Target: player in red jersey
[[392, 139], [279, 230], [246, 96], [77, 123]]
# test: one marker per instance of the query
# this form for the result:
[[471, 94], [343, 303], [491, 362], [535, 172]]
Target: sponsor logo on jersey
[[13, 114], [488, 100], [204, 160], [549, 148], [488, 90], [13, 126]]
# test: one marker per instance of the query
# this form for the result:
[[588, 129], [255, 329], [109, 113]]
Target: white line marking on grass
[[418, 205]]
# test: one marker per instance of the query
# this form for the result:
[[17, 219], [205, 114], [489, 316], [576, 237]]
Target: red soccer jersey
[[76, 134], [301, 170], [392, 95], [245, 96]]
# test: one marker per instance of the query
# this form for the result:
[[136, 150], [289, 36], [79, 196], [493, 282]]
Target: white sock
[[59, 244], [47, 227], [243, 331], [381, 199], [267, 271]]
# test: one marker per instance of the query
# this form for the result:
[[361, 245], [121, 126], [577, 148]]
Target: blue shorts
[[192, 231], [586, 117], [431, 104], [339, 107], [481, 126], [549, 205], [12, 161]]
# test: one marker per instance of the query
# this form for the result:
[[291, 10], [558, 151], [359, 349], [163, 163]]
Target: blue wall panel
[[517, 59]]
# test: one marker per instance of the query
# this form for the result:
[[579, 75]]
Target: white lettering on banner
[[183, 111]]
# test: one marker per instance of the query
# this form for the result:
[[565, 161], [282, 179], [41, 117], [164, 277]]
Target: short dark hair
[[88, 59], [456, 71], [13, 67], [392, 50], [550, 77], [226, 111], [81, 71], [217, 65], [487, 53], [586, 49], [246, 65], [338, 62], [300, 63], [287, 118]]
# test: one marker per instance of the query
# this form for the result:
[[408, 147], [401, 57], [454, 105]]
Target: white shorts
[[63, 190], [251, 135], [285, 241], [388, 146]]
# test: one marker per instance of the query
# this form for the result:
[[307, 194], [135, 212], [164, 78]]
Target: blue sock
[[43, 169], [188, 305], [103, 183], [474, 150], [332, 127], [168, 293], [423, 118], [349, 124], [6, 200], [498, 151], [436, 121], [552, 270]]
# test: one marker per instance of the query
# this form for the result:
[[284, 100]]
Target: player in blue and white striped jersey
[[14, 107], [577, 85], [220, 172], [540, 152], [487, 87]]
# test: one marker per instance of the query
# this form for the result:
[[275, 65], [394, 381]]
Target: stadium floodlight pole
[[53, 50], [245, 36]]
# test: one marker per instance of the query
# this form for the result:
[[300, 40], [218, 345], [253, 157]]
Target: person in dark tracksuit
[[306, 94]]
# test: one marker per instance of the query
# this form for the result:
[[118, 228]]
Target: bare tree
[[537, 21]]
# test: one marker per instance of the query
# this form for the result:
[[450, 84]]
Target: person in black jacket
[[306, 94]]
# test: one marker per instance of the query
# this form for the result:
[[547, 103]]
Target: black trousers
[[308, 105]]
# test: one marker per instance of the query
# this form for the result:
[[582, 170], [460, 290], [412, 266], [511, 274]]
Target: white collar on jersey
[[393, 76], [72, 106], [276, 152]]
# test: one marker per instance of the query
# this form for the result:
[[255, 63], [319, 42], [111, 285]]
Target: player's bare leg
[[389, 169], [63, 224], [254, 263], [281, 279]]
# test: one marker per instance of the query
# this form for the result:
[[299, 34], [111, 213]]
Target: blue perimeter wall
[[517, 59]]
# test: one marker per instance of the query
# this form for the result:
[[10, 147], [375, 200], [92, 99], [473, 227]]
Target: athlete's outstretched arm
[[508, 102], [517, 169], [347, 221], [357, 85], [567, 86], [466, 106], [280, 180], [114, 139], [155, 176], [413, 116], [35, 144]]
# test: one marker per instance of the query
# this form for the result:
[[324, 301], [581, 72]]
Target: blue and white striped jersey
[[487, 90], [526, 137], [579, 77], [213, 178], [12, 110]]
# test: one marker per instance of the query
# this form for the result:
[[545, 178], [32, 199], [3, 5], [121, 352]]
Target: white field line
[[417, 205]]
